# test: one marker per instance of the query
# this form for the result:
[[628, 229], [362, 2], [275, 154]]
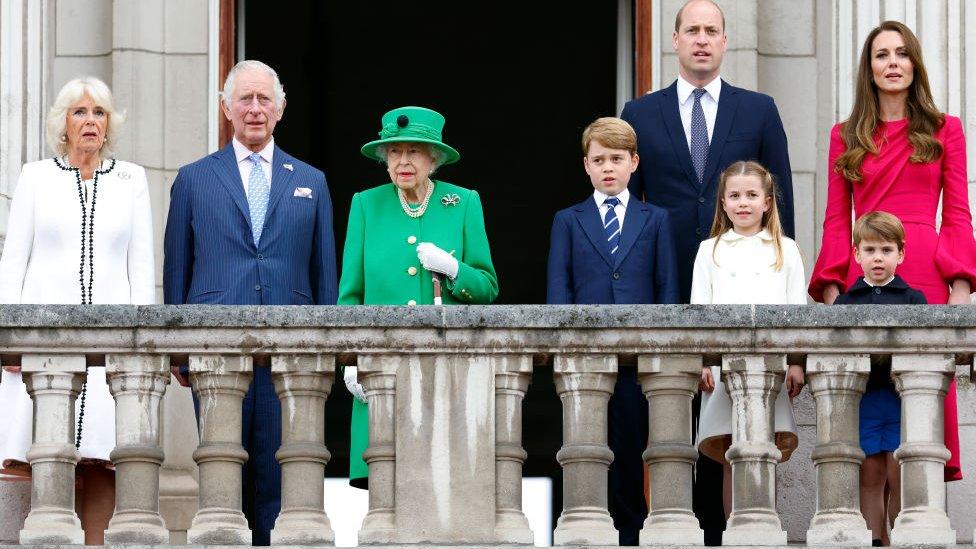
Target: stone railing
[[445, 388]]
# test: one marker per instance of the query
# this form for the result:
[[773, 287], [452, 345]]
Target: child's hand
[[706, 383], [794, 380]]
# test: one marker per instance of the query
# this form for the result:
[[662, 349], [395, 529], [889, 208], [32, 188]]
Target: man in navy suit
[[251, 225], [687, 134], [613, 248]]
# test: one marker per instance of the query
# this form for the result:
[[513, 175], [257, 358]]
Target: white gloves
[[349, 376], [437, 260]]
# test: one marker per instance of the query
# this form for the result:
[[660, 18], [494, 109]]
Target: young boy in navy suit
[[879, 247], [611, 248]]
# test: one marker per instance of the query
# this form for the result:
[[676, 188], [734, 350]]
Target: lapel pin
[[288, 167]]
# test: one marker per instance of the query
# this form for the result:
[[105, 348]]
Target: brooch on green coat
[[450, 199]]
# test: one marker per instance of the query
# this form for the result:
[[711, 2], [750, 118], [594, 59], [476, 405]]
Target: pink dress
[[933, 259]]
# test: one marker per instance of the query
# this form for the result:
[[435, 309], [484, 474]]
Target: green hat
[[415, 125]]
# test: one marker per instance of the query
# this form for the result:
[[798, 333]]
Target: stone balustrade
[[445, 387]]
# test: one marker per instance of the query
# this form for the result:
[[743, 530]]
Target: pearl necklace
[[423, 205]]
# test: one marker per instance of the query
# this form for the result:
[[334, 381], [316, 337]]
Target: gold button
[[412, 302], [412, 271], [411, 239]]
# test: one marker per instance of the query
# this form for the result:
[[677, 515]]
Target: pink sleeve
[[955, 255], [836, 248]]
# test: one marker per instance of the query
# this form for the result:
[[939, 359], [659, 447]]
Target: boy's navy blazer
[[210, 256], [581, 269], [747, 127]]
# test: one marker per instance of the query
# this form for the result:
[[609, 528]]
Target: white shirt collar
[[883, 284], [242, 152], [685, 89], [732, 236], [624, 196]]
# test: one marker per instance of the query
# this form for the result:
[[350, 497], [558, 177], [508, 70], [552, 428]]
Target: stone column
[[303, 383], [220, 382], [837, 383], [512, 373], [137, 382], [53, 382], [669, 382], [377, 373], [753, 382], [922, 382], [584, 384]]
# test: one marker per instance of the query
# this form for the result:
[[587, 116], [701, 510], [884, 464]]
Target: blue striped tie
[[611, 225], [257, 196], [699, 136]]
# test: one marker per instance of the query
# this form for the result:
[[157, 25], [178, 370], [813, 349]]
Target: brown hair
[[677, 18], [612, 133], [879, 227], [770, 219], [924, 118]]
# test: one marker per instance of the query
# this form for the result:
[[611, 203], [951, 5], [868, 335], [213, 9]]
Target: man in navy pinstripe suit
[[251, 225]]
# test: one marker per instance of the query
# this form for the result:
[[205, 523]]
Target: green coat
[[380, 265]]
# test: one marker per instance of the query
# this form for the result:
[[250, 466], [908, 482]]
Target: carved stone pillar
[[220, 383], [753, 382], [837, 383], [669, 382], [922, 382], [378, 377], [512, 373], [303, 383], [53, 382], [584, 384], [137, 382]]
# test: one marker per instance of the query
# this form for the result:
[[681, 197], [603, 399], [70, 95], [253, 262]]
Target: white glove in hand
[[437, 260], [349, 376]]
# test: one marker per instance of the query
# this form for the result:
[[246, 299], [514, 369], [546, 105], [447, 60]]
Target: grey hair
[[437, 154], [56, 124], [246, 65]]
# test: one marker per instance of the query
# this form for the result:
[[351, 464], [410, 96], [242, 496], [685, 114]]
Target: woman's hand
[[706, 383], [349, 375], [181, 378], [437, 260], [12, 369], [794, 380], [830, 293], [960, 293]]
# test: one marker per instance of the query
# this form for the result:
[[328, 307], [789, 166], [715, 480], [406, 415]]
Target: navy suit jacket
[[581, 269], [747, 127], [210, 256]]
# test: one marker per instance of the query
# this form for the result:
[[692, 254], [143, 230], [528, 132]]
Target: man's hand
[[706, 383]]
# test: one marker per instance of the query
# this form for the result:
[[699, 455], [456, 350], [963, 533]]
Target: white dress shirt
[[620, 209], [742, 271], [245, 165], [709, 103]]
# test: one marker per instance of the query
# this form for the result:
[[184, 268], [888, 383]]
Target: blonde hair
[[770, 219], [57, 118], [612, 133], [879, 227]]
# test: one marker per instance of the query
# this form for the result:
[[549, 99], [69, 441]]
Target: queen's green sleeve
[[476, 281], [352, 282]]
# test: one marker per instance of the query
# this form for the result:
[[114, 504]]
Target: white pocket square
[[303, 192]]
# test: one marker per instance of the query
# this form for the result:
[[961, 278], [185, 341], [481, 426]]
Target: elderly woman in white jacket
[[79, 231]]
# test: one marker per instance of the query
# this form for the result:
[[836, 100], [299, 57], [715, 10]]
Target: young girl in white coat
[[747, 260]]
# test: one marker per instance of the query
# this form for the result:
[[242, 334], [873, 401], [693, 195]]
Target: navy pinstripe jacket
[[210, 256]]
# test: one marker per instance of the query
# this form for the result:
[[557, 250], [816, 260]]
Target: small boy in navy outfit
[[879, 240]]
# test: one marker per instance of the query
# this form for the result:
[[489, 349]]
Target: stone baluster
[[220, 383], [53, 382], [303, 383], [137, 382], [753, 382], [922, 382], [584, 384], [669, 382], [837, 383], [512, 373], [377, 373]]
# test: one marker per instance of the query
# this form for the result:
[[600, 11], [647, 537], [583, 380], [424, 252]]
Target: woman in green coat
[[405, 233]]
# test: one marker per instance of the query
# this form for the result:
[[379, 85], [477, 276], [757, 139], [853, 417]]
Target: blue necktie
[[611, 225], [258, 189], [699, 136]]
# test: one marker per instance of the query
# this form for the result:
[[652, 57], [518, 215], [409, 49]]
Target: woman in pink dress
[[898, 153]]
